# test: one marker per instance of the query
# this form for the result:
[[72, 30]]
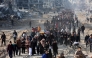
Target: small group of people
[[3, 37]]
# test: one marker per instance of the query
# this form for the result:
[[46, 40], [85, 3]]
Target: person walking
[[90, 42], [78, 31], [42, 46], [23, 46], [14, 48], [82, 29], [72, 39], [3, 38], [61, 38], [33, 43], [27, 43], [65, 38], [77, 38], [50, 38], [14, 35], [50, 53], [38, 48], [18, 46], [10, 49], [55, 48], [86, 39], [30, 49]]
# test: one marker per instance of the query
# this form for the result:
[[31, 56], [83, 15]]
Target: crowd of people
[[32, 44], [46, 43], [66, 21], [42, 43]]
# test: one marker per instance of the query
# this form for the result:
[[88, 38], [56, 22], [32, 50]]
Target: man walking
[[55, 48], [14, 35], [86, 39], [3, 37], [82, 29], [61, 38], [72, 39], [19, 46], [90, 42], [10, 49]]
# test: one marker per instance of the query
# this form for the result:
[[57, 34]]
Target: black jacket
[[82, 28], [3, 36], [86, 38], [55, 47], [72, 38], [10, 48]]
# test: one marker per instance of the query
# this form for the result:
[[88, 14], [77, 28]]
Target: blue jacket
[[44, 56]]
